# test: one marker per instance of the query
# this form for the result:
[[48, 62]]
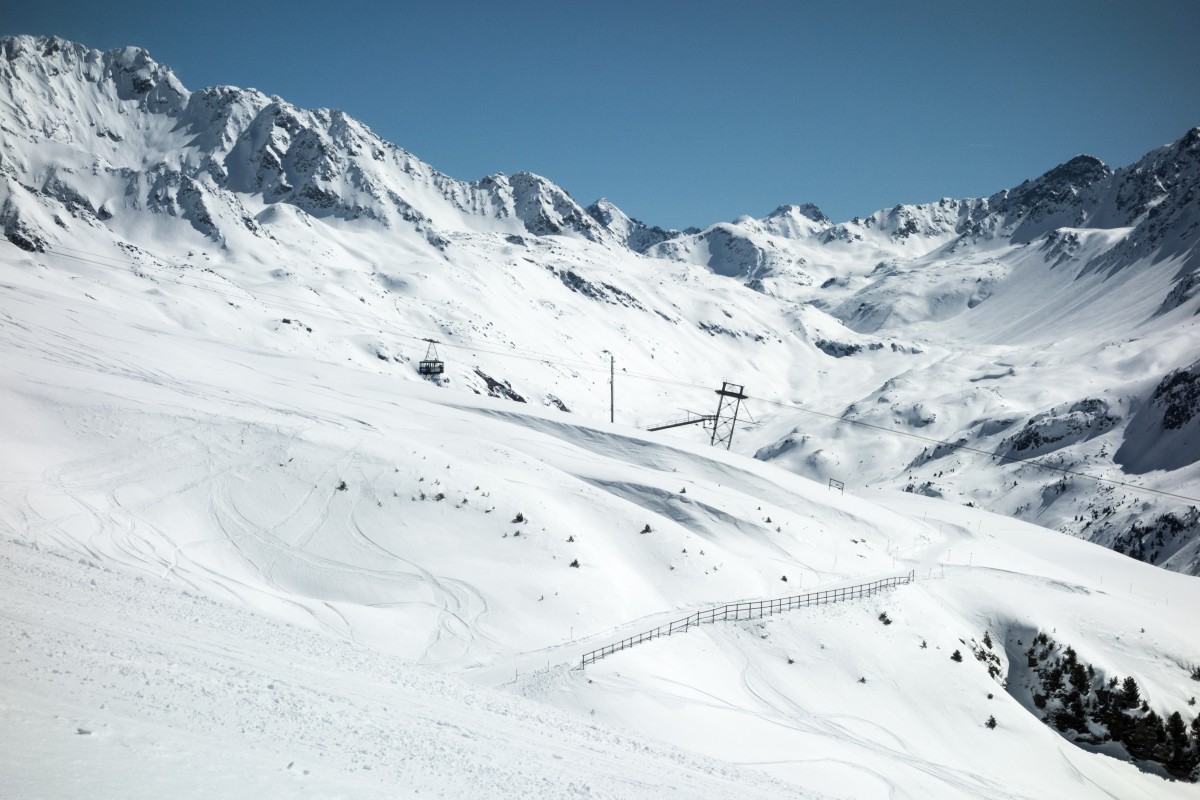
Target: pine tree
[[1120, 725], [1183, 757], [1071, 714], [1130, 694], [1053, 679], [1145, 740], [1079, 678]]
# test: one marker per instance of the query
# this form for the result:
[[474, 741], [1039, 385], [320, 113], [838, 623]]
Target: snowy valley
[[249, 549]]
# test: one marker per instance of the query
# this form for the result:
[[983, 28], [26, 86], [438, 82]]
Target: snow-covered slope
[[404, 522], [965, 321], [249, 549], [213, 304], [108, 158]]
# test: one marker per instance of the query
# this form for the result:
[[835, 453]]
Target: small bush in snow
[[884, 618], [991, 723], [342, 486], [575, 563], [956, 656], [519, 517]]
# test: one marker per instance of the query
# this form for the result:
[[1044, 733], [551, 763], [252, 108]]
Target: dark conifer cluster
[[1075, 698]]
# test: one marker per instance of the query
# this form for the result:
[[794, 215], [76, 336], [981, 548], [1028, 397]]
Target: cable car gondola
[[431, 364]]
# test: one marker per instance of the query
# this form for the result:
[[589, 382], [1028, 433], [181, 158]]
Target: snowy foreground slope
[[194, 605], [122, 686], [246, 550]]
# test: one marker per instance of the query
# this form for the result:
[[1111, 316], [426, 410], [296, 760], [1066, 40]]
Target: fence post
[[754, 609]]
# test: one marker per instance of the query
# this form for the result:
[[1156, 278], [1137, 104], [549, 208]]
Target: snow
[[125, 686], [202, 497], [239, 532]]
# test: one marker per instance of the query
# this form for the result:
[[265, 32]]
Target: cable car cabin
[[431, 364]]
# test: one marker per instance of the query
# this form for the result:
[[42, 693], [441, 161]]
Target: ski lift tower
[[732, 396], [431, 364]]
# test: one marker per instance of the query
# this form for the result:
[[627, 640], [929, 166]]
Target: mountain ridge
[[110, 153], [323, 469]]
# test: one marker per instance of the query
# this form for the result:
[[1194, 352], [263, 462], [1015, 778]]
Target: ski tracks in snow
[[785, 711], [141, 690]]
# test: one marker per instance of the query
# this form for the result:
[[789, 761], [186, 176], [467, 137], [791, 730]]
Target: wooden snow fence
[[752, 609]]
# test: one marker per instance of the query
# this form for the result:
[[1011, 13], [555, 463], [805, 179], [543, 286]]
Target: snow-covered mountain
[[212, 313], [964, 321]]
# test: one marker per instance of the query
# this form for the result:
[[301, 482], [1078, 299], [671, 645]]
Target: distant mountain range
[[934, 348]]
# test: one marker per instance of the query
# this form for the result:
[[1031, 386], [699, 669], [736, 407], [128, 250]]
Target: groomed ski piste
[[234, 571]]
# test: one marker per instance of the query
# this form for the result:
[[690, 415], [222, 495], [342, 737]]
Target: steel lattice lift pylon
[[728, 406]]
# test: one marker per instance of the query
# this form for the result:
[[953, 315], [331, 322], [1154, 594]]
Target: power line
[[533, 355], [974, 450], [257, 295], [222, 288]]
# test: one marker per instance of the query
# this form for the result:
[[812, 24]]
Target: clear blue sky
[[686, 113]]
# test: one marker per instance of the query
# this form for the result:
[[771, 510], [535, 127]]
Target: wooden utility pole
[[612, 391]]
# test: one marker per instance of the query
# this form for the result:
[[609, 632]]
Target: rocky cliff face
[[81, 124]]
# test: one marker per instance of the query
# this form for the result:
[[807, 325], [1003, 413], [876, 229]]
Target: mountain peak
[[1058, 197], [633, 233], [1082, 170], [548, 209], [807, 210], [131, 70], [793, 221], [607, 213]]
